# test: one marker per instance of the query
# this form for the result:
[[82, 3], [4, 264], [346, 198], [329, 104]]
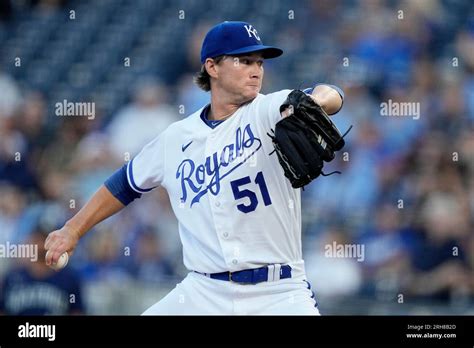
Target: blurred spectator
[[5, 10], [32, 123], [442, 269], [194, 46], [57, 155], [387, 249], [32, 288], [10, 98], [352, 194], [452, 119], [464, 49], [141, 121], [93, 164], [331, 276], [15, 167], [105, 259], [191, 96], [47, 213], [12, 204], [155, 210], [147, 262]]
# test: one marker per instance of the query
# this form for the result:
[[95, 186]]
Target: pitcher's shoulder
[[189, 122], [277, 95]]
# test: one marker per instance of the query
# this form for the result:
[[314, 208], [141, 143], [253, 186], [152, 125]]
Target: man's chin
[[247, 100], [251, 96]]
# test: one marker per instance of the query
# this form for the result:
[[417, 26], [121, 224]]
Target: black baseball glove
[[305, 139]]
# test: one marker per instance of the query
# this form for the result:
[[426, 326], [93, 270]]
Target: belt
[[268, 273]]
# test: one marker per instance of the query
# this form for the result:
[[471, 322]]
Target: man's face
[[241, 76]]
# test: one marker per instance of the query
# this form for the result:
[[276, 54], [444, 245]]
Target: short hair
[[203, 79]]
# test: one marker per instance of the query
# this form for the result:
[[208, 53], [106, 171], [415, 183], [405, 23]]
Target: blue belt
[[252, 276]]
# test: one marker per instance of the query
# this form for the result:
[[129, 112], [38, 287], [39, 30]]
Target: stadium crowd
[[406, 193]]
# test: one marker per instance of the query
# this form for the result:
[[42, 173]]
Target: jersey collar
[[204, 117]]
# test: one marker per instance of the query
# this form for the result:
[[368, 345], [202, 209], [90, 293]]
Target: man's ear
[[211, 67]]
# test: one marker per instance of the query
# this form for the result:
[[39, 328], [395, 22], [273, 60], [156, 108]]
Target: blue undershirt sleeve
[[118, 185]]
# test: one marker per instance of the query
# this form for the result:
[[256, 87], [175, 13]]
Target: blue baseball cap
[[235, 38]]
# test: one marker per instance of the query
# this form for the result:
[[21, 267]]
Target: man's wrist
[[73, 228]]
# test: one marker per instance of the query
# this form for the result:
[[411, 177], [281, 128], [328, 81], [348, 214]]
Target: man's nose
[[256, 71]]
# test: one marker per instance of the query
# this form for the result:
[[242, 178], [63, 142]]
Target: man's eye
[[244, 61], [260, 62]]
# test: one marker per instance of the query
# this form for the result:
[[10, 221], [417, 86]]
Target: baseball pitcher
[[233, 171]]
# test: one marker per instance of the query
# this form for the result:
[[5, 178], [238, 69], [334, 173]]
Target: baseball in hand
[[62, 262]]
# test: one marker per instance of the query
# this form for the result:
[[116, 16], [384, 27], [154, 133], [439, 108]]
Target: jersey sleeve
[[146, 170], [269, 107]]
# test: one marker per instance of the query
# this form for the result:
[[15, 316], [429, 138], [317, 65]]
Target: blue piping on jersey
[[132, 181], [204, 117]]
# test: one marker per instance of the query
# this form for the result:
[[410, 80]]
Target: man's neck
[[221, 107]]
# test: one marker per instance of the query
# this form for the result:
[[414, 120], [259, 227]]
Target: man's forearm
[[101, 206], [329, 99]]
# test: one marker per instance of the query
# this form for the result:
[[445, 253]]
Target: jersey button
[[217, 204], [225, 234], [234, 261]]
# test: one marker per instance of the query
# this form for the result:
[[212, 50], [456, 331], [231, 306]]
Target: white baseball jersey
[[236, 209]]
